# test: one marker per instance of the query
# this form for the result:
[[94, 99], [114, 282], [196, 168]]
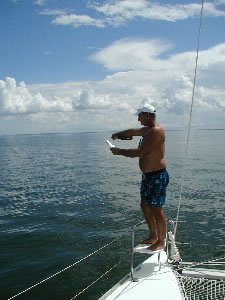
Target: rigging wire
[[81, 292], [190, 118], [204, 262], [63, 270]]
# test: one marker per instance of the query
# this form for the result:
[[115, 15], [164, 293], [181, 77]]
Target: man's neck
[[151, 124]]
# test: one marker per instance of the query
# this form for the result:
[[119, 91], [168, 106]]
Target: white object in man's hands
[[110, 144]]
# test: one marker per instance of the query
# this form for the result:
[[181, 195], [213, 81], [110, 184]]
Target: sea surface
[[63, 196]]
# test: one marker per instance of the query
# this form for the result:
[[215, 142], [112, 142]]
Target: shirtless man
[[155, 177]]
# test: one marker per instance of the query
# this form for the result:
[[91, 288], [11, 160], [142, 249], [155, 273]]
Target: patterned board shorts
[[153, 187]]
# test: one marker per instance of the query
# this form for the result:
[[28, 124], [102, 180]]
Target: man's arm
[[130, 132], [126, 152], [149, 143]]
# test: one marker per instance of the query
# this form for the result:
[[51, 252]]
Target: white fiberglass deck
[[152, 283]]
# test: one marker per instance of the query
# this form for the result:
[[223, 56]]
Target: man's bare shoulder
[[140, 131], [156, 132], [155, 129]]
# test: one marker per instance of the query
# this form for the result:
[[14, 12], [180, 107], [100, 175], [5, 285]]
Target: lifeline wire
[[205, 262], [81, 292], [190, 117], [57, 273]]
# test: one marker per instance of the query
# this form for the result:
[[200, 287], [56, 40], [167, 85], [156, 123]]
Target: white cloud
[[16, 99], [149, 55], [54, 12], [88, 100], [132, 54], [168, 81], [118, 12], [47, 52], [219, 2], [39, 2], [110, 103], [77, 20]]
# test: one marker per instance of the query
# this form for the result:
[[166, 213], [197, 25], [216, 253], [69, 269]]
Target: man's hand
[[115, 136], [115, 151]]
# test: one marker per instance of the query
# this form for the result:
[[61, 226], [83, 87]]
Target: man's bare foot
[[157, 246], [149, 240]]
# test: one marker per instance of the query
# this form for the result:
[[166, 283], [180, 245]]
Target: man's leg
[[160, 219], [151, 221]]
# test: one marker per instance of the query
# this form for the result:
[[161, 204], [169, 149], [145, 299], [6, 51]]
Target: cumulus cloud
[[147, 72], [132, 54], [166, 82], [88, 100], [16, 99], [77, 20], [149, 55]]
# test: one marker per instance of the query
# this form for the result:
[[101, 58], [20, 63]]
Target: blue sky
[[75, 65]]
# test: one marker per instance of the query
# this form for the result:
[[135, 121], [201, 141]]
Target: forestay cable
[[190, 118]]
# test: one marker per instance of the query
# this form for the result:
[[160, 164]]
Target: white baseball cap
[[146, 108]]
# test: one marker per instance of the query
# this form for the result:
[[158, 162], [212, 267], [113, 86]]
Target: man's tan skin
[[151, 158]]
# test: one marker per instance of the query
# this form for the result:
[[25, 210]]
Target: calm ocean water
[[64, 196]]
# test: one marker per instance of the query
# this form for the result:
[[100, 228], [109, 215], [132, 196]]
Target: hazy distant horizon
[[110, 131]]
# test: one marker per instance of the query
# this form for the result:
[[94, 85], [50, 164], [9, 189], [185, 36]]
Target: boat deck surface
[[152, 283]]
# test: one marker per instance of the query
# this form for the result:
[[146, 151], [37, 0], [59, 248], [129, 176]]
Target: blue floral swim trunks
[[153, 187]]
